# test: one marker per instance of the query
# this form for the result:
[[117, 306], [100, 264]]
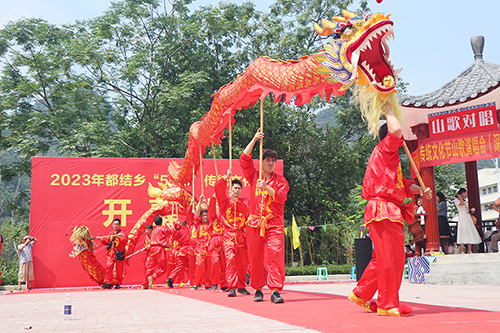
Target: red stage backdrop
[[68, 192]]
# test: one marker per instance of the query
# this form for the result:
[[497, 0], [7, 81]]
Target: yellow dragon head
[[358, 51]]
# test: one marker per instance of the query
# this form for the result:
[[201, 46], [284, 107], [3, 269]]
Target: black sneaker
[[117, 286], [259, 296], [194, 287], [232, 293], [215, 286], [224, 289], [170, 283], [243, 291], [106, 286], [276, 298]]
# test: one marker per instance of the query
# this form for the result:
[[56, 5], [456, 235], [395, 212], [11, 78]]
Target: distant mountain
[[326, 116]]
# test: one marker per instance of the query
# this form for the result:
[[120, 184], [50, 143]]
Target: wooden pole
[[230, 143], [201, 171], [192, 182], [414, 166], [301, 257], [215, 163], [261, 140], [230, 150]]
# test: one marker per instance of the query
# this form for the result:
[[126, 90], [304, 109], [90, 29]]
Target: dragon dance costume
[[234, 215], [215, 245], [385, 188], [160, 241], [181, 250], [201, 254], [84, 250], [265, 232]]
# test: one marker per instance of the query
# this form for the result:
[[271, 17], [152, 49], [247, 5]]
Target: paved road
[[133, 310]]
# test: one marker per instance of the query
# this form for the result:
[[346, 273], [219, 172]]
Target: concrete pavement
[[133, 310]]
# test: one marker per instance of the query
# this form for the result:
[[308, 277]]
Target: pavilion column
[[430, 207], [473, 193], [421, 131]]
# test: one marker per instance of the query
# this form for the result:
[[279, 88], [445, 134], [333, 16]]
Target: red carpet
[[331, 313]]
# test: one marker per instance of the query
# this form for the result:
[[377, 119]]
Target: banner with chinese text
[[69, 192], [465, 148], [463, 120]]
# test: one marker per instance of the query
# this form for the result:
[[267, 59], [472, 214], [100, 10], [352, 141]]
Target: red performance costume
[[116, 241], [234, 215], [160, 241], [385, 188], [182, 250], [84, 249], [203, 265], [215, 248], [265, 232], [146, 258]]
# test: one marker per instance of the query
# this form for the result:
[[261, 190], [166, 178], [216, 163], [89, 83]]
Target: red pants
[[236, 264], [385, 271], [192, 268], [156, 266], [218, 272], [266, 255], [110, 266], [182, 264], [203, 267]]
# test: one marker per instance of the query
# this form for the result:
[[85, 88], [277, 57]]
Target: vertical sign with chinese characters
[[463, 120]]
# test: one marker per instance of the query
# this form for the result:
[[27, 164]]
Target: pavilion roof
[[476, 80]]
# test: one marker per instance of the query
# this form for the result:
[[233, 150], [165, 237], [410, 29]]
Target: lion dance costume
[[84, 249]]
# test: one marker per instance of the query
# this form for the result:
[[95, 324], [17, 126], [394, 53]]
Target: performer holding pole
[[385, 188], [265, 231]]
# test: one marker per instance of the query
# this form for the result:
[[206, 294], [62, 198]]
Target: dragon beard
[[372, 106]]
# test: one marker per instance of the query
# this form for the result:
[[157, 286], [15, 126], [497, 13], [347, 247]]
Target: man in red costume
[[265, 232], [202, 257], [215, 249], [147, 255], [160, 241], [385, 188], [181, 248], [115, 244], [234, 213]]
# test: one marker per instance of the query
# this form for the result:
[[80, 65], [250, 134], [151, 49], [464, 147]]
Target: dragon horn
[[347, 14], [153, 191], [339, 19], [327, 27]]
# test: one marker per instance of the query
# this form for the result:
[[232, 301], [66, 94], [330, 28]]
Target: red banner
[[463, 120], [69, 192], [466, 148]]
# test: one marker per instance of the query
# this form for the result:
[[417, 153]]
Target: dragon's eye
[[348, 32]]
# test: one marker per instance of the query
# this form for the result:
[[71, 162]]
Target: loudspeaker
[[363, 249]]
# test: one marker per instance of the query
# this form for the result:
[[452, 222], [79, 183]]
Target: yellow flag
[[296, 235]]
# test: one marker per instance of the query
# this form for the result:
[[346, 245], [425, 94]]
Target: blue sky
[[432, 37]]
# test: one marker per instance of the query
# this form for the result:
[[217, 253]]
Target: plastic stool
[[405, 272], [353, 272], [322, 273]]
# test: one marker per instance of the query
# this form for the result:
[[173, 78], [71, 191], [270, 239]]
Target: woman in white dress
[[466, 231]]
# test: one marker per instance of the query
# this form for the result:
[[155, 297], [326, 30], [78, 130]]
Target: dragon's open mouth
[[370, 54]]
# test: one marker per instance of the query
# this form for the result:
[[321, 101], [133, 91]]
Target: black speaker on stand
[[363, 249]]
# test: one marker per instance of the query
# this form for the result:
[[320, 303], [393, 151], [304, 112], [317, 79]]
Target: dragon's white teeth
[[398, 71]]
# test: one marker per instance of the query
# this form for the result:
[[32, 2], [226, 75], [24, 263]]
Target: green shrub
[[312, 269], [9, 271]]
